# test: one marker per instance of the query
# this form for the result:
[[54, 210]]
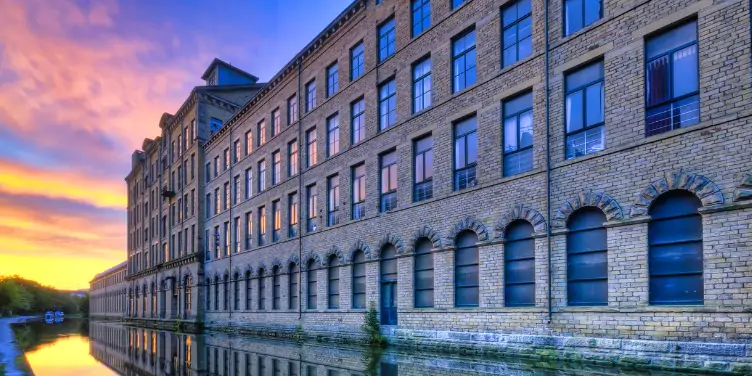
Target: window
[[276, 122], [332, 80], [216, 244], [292, 110], [465, 153], [310, 95], [226, 231], [359, 280], [311, 147], [248, 229], [248, 291], [519, 265], [466, 278], [216, 293], [261, 226], [226, 196], [587, 264], [333, 287], [584, 110], [248, 183], [277, 218], [235, 151], [207, 172], [248, 143], [216, 166], [276, 167], [261, 291], [423, 273], [236, 292], [311, 208], [517, 32], [332, 135], [423, 189], [672, 80], [333, 200], [463, 61], [217, 201], [421, 16], [292, 294], [312, 285], [388, 179], [456, 3], [214, 125], [387, 37], [359, 191], [357, 61], [292, 158], [422, 85], [387, 104], [261, 132], [388, 279], [292, 210], [358, 120], [276, 288], [261, 175], [518, 134], [581, 13], [675, 253]]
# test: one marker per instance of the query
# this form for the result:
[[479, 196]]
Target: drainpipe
[[300, 195], [548, 167], [231, 222]]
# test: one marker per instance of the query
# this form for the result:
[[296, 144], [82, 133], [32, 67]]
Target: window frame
[[517, 115], [359, 181], [583, 88], [387, 99], [332, 79], [422, 80], [391, 193], [514, 24], [310, 91], [386, 33], [358, 118], [357, 62], [571, 233], [333, 275], [426, 181], [462, 54], [456, 170], [332, 203], [582, 13], [413, 11], [332, 135]]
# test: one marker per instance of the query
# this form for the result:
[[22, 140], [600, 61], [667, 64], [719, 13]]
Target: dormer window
[[215, 125]]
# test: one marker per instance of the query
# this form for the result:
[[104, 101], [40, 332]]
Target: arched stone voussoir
[[393, 240], [307, 257], [468, 223], [708, 192], [359, 245], [336, 252], [523, 212], [600, 200], [425, 232]]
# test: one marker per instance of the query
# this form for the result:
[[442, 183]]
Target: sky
[[82, 83]]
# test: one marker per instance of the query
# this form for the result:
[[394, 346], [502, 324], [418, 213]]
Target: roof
[[218, 61], [111, 270]]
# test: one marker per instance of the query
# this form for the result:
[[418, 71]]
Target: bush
[[372, 327]]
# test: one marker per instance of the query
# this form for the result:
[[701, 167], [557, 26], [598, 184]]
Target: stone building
[[107, 293], [485, 169]]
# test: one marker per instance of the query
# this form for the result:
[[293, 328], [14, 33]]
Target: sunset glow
[[82, 83]]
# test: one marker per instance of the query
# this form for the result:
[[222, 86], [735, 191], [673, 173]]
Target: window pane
[[429, 164], [510, 134], [675, 258], [588, 292], [686, 112], [574, 111], [675, 230], [518, 162], [510, 37], [459, 152], [682, 289], [587, 265], [525, 47], [594, 104], [592, 11], [657, 75], [671, 39], [419, 168], [586, 241], [519, 295], [572, 16], [526, 129], [472, 148], [467, 296], [519, 271], [685, 71], [424, 298], [424, 279], [467, 256]]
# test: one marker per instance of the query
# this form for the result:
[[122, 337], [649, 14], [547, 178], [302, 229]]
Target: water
[[82, 348]]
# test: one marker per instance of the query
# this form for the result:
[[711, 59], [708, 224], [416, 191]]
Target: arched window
[[675, 249], [275, 287], [423, 273], [333, 288], [216, 293], [312, 285], [236, 291], [388, 279], [226, 292], [144, 300], [153, 299], [188, 298], [587, 264], [293, 285], [359, 280], [208, 294], [466, 275], [135, 309], [248, 291], [261, 290], [519, 265]]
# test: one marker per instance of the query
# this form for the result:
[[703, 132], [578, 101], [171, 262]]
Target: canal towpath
[[9, 349]]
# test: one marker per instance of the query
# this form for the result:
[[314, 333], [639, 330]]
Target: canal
[[82, 348]]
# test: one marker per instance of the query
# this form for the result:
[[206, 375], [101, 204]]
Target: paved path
[[8, 349]]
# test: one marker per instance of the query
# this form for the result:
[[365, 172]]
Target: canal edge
[[11, 355]]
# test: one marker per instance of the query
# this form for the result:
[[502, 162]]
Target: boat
[[49, 317], [59, 316]]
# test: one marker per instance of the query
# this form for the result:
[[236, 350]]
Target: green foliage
[[20, 296], [372, 327]]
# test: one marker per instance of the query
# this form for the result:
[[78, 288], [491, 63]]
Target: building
[[107, 293], [581, 169]]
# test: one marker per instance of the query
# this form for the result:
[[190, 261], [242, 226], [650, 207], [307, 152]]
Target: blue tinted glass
[[680, 289], [674, 203], [574, 113], [518, 104], [592, 11], [519, 295], [685, 72], [671, 39], [594, 104], [518, 230], [572, 16]]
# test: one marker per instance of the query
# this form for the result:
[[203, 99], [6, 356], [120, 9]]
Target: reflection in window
[[422, 85], [388, 180], [423, 189], [387, 38], [465, 153], [359, 280], [581, 13], [463, 61], [519, 265], [587, 264], [359, 191], [517, 33], [466, 273], [421, 11], [518, 134], [387, 104], [423, 273], [333, 285], [584, 110]]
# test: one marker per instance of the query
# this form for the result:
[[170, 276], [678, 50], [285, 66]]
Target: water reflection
[[63, 350]]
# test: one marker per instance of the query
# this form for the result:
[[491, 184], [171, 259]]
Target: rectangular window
[[332, 135], [261, 132], [584, 110], [207, 239], [421, 10], [226, 160], [463, 61], [276, 167], [216, 166], [208, 205], [517, 32], [388, 179], [672, 80], [456, 3], [332, 80], [276, 122], [387, 40], [332, 184], [194, 134], [423, 189], [292, 158], [387, 104], [248, 143], [465, 153], [277, 218], [248, 183], [214, 125], [358, 120], [293, 213], [518, 134], [216, 251], [236, 151], [262, 226], [581, 13], [310, 95], [236, 189], [226, 232], [217, 201], [236, 230], [292, 110], [226, 196], [193, 166], [422, 85], [248, 229], [207, 172], [261, 175], [311, 209], [359, 191], [357, 61], [311, 147]]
